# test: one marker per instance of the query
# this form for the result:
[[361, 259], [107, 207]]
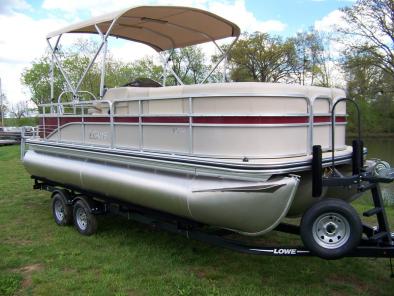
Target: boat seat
[[125, 92], [143, 82], [201, 90], [98, 108], [135, 93]]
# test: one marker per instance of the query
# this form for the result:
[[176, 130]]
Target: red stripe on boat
[[166, 119], [251, 119], [52, 121], [96, 119], [321, 119], [126, 119], [65, 120]]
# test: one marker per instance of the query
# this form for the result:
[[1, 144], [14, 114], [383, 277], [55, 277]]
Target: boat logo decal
[[97, 135], [282, 252]]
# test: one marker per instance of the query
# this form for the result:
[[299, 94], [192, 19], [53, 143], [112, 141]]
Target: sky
[[25, 23]]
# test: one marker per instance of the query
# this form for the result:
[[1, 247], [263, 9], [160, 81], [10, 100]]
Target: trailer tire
[[331, 228], [61, 211], [84, 221]]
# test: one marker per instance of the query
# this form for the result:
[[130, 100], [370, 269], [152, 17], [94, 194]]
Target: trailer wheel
[[331, 228], [61, 211], [84, 221]]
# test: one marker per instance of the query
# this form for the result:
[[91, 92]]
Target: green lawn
[[37, 257]]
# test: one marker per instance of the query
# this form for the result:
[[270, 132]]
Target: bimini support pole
[[224, 69], [59, 65], [165, 61], [102, 79], [103, 42], [224, 78], [53, 69], [220, 59]]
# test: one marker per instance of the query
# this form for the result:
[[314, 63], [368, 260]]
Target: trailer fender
[[65, 194], [95, 207]]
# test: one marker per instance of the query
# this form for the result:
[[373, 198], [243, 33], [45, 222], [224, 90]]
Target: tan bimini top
[[161, 27]]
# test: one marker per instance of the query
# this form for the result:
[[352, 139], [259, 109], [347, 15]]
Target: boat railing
[[80, 92], [27, 132], [55, 115], [107, 112]]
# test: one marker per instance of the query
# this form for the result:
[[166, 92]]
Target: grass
[[37, 257]]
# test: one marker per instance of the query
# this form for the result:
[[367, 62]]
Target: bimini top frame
[[160, 27]]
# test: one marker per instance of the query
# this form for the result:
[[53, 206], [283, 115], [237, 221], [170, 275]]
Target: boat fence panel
[[220, 125]]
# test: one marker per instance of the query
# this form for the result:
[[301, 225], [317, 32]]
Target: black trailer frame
[[372, 245]]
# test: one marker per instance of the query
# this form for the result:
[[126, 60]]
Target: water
[[382, 148]]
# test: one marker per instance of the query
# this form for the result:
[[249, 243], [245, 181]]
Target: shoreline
[[371, 135]]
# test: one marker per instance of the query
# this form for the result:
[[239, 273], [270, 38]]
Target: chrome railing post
[[140, 124], [58, 122], [330, 125], [111, 119], [44, 122], [310, 126], [83, 124], [190, 125]]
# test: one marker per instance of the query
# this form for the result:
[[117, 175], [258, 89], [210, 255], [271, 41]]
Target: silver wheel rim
[[59, 210], [82, 219], [331, 230]]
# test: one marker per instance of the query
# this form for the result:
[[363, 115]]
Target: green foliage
[[302, 59], [369, 66], [74, 62], [261, 57], [9, 283], [144, 68], [189, 64], [23, 121], [370, 31], [37, 80], [311, 58]]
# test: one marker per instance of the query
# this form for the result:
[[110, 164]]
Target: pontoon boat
[[233, 155]]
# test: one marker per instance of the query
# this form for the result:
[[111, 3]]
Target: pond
[[382, 148]]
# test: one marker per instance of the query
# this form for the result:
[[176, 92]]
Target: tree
[[19, 109], [74, 61], [372, 88], [189, 64], [144, 67], [368, 39], [369, 30], [260, 57], [312, 58], [37, 80]]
